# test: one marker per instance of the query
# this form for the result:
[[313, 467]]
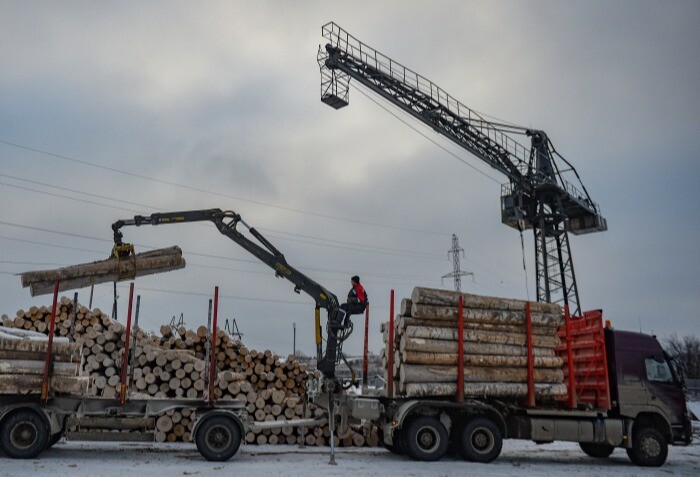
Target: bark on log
[[405, 321], [503, 390], [419, 373], [420, 357], [477, 315], [439, 297], [405, 309], [110, 270], [31, 384], [39, 346], [450, 334], [37, 367]]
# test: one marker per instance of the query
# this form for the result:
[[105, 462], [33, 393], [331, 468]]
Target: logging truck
[[622, 389], [636, 402]]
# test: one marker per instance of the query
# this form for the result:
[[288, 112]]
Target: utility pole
[[457, 272]]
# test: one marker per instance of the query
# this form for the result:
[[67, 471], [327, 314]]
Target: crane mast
[[544, 192]]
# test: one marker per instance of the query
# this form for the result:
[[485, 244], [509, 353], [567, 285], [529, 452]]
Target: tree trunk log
[[419, 357], [450, 334], [435, 296], [418, 373], [110, 270], [450, 347], [511, 390], [405, 321], [478, 315]]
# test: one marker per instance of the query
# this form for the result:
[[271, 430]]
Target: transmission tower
[[231, 328], [176, 322], [457, 272]]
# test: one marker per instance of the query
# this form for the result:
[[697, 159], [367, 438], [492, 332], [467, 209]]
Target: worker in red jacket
[[357, 298]]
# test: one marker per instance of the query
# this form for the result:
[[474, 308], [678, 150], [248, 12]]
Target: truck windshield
[[658, 371]]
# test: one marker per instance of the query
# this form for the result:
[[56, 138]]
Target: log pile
[[495, 346], [113, 269], [172, 365], [22, 364]]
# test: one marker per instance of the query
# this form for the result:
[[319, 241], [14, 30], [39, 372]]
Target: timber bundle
[[113, 269], [168, 366], [495, 346], [22, 362]]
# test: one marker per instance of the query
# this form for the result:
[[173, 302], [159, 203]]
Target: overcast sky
[[111, 110]]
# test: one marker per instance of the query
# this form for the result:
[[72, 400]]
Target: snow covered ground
[[519, 458]]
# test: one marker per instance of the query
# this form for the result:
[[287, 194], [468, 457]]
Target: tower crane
[[544, 192]]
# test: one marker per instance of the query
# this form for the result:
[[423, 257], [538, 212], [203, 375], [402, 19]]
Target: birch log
[[31, 384], [110, 270], [420, 357], [435, 296], [404, 321], [503, 390], [477, 315], [479, 336], [444, 346], [420, 373]]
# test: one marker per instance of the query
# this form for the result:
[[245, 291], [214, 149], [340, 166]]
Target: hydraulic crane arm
[[227, 222]]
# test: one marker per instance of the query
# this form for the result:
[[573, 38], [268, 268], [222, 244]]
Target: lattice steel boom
[[544, 192]]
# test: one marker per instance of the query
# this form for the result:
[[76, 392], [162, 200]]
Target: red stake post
[[125, 358], [365, 357], [390, 358], [212, 361], [460, 351], [530, 400], [47, 365]]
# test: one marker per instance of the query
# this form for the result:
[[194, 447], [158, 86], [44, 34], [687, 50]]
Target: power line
[[216, 193], [101, 253], [316, 241], [463, 161]]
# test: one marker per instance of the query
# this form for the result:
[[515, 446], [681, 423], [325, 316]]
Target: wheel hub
[[482, 440], [218, 437], [427, 439], [650, 447], [23, 435]]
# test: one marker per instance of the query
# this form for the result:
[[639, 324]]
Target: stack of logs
[[23, 361], [495, 346], [173, 366]]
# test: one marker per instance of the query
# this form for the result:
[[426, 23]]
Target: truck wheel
[[24, 435], [649, 448], [599, 451], [425, 439], [481, 440], [218, 438], [397, 447]]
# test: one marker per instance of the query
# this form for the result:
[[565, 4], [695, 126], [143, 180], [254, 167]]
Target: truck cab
[[645, 388]]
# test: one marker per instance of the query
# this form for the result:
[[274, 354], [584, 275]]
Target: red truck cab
[[645, 389]]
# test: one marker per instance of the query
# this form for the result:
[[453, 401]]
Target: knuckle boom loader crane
[[338, 328]]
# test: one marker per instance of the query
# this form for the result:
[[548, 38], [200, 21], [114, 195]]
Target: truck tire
[[425, 439], [218, 438], [24, 435], [480, 440], [649, 448], [600, 451]]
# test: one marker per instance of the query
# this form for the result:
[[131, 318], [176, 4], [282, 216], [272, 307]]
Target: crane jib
[[540, 195]]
